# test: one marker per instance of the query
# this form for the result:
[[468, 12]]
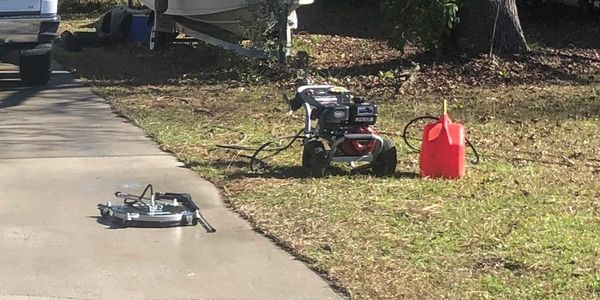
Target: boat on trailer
[[219, 22]]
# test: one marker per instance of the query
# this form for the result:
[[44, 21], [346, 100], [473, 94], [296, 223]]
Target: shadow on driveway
[[18, 93]]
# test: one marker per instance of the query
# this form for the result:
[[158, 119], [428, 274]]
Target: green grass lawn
[[525, 223]]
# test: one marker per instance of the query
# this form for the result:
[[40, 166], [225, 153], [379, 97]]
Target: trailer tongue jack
[[155, 210]]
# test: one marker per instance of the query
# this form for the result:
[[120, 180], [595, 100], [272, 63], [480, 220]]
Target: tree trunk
[[475, 33]]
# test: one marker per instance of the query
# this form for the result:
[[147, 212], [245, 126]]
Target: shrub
[[426, 23]]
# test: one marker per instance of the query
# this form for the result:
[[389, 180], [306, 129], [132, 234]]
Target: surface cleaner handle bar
[[187, 201], [121, 195], [138, 198], [131, 199]]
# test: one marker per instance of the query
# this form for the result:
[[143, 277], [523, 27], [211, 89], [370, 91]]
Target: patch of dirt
[[495, 263]]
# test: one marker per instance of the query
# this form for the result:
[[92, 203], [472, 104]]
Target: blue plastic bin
[[139, 30]]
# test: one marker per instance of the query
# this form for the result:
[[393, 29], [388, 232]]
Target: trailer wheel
[[386, 161], [314, 158]]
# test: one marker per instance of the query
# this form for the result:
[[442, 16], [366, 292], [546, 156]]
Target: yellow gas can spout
[[445, 107]]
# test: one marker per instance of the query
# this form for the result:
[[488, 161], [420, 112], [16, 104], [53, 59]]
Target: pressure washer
[[346, 123], [339, 126]]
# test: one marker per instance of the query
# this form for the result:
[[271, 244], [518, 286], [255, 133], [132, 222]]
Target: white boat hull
[[228, 15]]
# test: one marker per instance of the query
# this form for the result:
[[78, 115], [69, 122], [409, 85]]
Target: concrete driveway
[[62, 152]]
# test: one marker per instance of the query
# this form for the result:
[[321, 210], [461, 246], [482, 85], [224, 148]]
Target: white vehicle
[[217, 22], [27, 29]]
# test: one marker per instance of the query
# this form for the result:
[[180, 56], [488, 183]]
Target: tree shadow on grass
[[561, 71], [350, 18], [182, 64], [560, 26]]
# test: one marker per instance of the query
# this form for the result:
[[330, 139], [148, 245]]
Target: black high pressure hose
[[254, 158], [132, 199], [411, 122]]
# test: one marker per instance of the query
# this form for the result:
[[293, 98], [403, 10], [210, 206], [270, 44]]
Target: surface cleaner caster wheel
[[188, 220], [385, 163], [105, 212], [314, 158]]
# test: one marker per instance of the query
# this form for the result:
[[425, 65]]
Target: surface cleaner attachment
[[156, 210]]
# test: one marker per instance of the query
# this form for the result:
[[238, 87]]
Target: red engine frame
[[359, 147]]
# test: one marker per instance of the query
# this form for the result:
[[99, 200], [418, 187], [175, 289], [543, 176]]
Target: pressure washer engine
[[157, 210], [347, 124]]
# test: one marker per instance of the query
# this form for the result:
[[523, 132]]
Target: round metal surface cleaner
[[159, 209]]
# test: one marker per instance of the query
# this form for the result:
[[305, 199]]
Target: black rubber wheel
[[314, 158], [386, 161], [105, 212], [187, 220], [36, 69]]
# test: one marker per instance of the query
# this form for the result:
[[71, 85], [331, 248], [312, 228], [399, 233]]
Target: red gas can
[[443, 150]]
